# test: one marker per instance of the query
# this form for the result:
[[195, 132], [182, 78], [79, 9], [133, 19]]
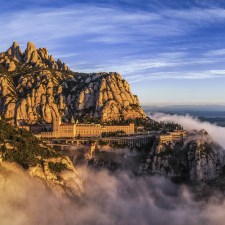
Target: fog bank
[[109, 200], [190, 123]]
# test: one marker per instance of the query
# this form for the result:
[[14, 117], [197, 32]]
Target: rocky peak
[[45, 94], [43, 52], [15, 45], [30, 47], [62, 66], [51, 58], [31, 58], [15, 52], [31, 55]]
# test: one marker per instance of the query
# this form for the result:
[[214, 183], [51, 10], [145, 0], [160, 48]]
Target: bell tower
[[56, 124]]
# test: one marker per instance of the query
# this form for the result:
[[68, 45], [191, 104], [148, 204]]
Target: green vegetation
[[169, 127], [110, 160], [148, 124], [167, 152], [2, 69], [206, 150], [134, 106], [177, 156], [56, 167], [20, 146], [102, 143], [118, 133], [119, 145]]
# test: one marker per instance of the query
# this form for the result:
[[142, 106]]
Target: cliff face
[[34, 88], [66, 181], [194, 160]]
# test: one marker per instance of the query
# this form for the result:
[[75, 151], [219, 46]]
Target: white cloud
[[191, 123], [218, 52], [110, 198], [195, 75], [110, 24], [97, 26], [143, 69], [197, 15]]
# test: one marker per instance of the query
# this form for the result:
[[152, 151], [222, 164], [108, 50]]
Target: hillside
[[20, 149], [35, 88]]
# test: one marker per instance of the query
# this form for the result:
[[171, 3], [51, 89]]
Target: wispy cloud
[[218, 52], [197, 15], [94, 38], [180, 75], [161, 66], [108, 24]]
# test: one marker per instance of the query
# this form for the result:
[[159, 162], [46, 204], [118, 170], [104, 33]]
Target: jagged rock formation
[[194, 160], [14, 59], [35, 88], [104, 95]]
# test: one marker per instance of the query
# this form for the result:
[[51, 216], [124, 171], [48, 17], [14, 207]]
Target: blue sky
[[170, 51]]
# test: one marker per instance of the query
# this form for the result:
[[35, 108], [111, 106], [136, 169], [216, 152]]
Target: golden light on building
[[72, 130]]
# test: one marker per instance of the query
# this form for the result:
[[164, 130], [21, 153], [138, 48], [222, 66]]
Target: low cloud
[[190, 123], [110, 199]]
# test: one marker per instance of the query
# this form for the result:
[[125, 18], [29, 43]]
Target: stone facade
[[128, 129], [172, 136], [88, 130], [72, 130], [175, 136]]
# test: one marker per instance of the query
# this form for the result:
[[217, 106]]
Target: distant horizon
[[188, 104]]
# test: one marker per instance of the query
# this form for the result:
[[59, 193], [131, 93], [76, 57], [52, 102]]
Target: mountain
[[34, 88]]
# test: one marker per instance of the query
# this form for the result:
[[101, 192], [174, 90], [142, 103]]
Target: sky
[[170, 51]]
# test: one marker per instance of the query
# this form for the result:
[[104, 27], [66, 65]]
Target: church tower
[[73, 120], [56, 125], [74, 126]]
